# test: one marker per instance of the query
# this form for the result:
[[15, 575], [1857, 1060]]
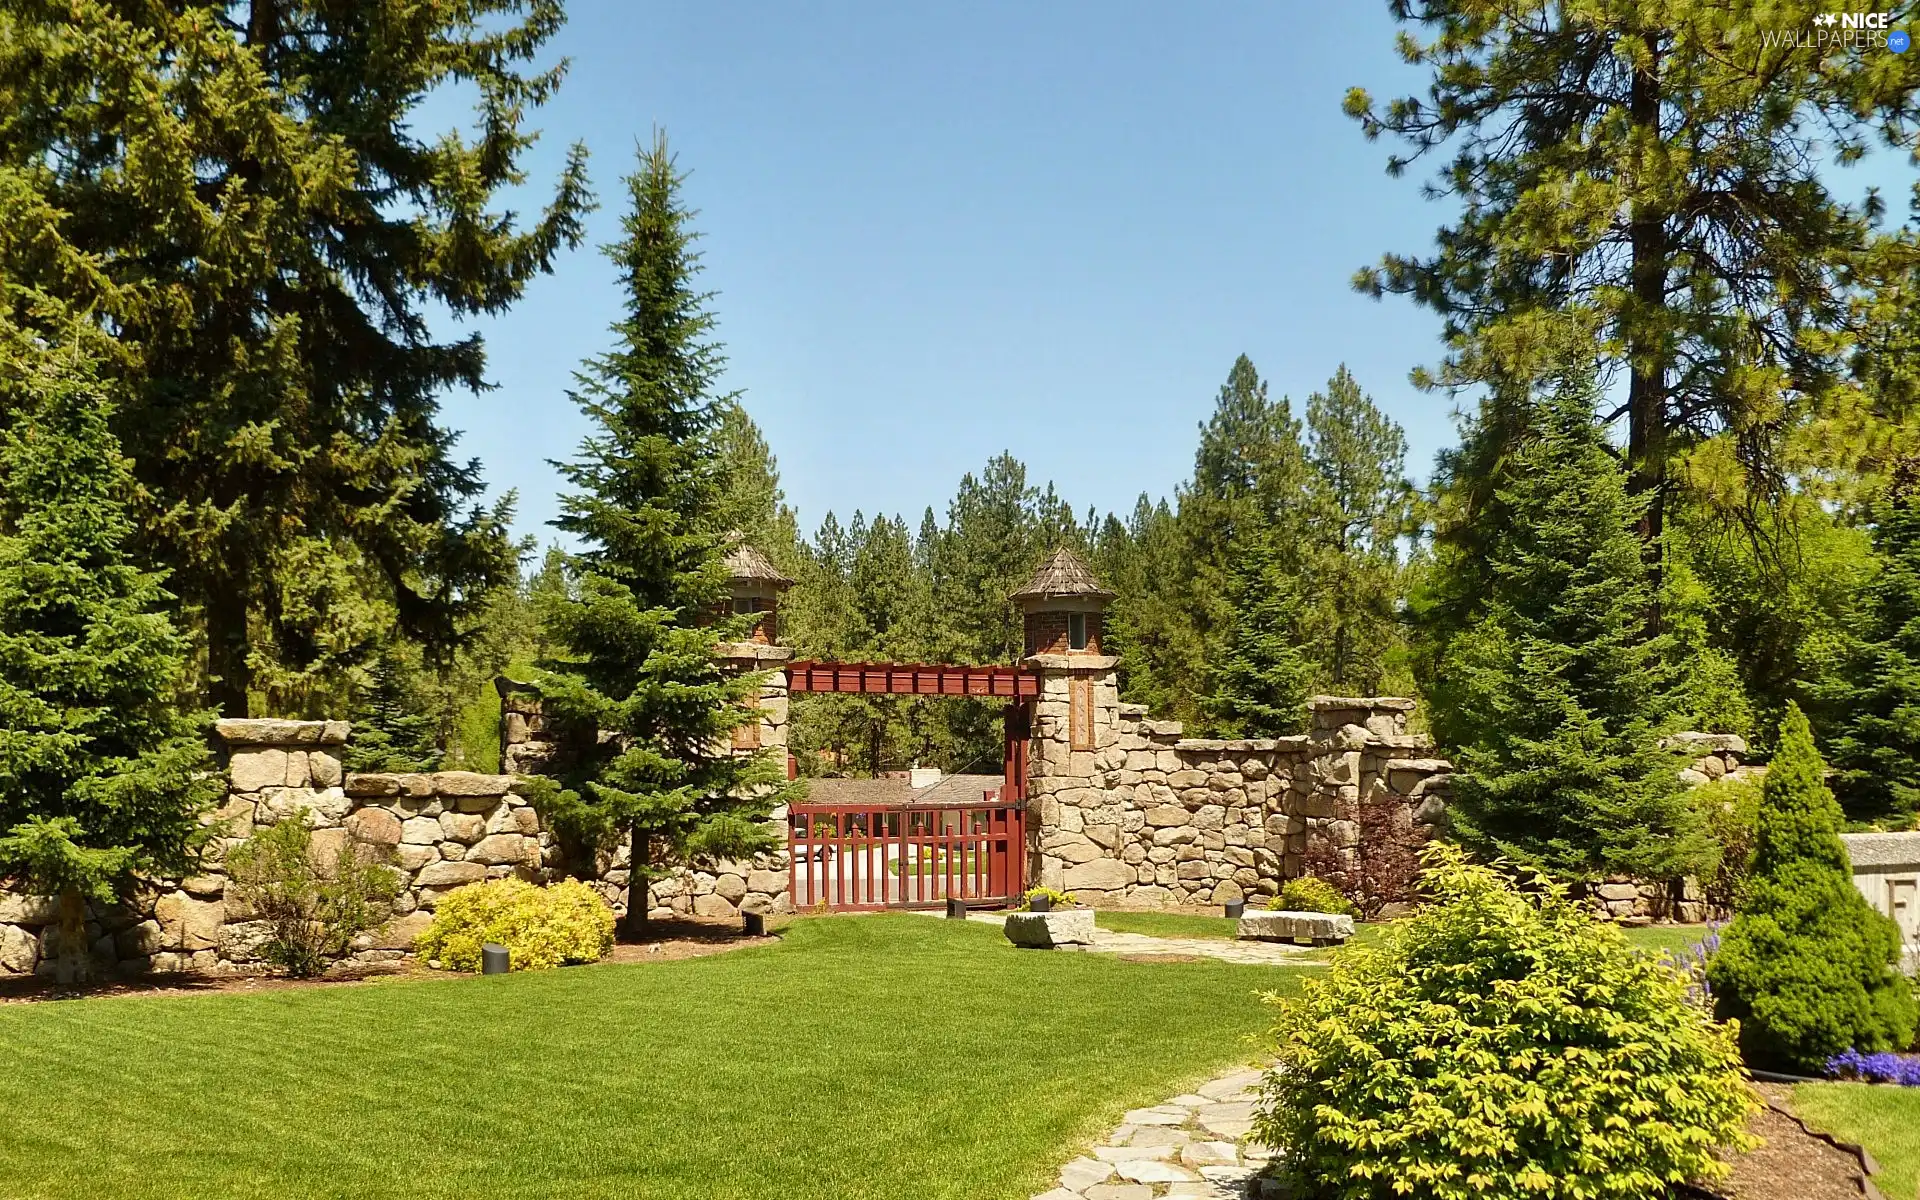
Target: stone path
[[1105, 941], [1194, 1147]]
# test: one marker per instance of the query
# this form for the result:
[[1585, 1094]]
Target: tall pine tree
[[1553, 693], [1258, 685], [267, 231], [640, 625], [102, 771]]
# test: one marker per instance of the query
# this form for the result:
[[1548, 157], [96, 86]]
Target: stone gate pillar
[[1075, 729]]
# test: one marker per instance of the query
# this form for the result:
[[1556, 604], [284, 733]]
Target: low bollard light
[[494, 959], [1236, 909], [956, 909], [753, 924]]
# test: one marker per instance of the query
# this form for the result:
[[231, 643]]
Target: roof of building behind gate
[[745, 562], [1063, 574]]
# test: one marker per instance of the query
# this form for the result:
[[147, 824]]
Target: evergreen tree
[[1553, 691], [392, 731], [639, 624], [1875, 698], [752, 502], [1807, 967], [1259, 687], [1652, 172], [266, 232], [1362, 504], [101, 771]]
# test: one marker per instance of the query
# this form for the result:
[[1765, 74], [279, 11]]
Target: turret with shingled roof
[[1064, 605], [754, 587]]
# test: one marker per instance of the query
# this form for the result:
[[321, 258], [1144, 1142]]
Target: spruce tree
[[276, 233], [1875, 698], [640, 623], [1258, 688], [102, 772], [391, 732], [1807, 967], [1554, 693]]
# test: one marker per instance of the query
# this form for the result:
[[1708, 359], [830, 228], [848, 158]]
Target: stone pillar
[[770, 732], [1075, 741]]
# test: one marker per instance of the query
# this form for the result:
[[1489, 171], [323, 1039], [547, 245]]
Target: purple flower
[[1903, 1069]]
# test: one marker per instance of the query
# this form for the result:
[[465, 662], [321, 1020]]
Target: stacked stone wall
[[439, 830], [1151, 817]]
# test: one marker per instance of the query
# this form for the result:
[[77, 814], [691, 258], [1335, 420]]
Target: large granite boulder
[[1066, 927], [1321, 929]]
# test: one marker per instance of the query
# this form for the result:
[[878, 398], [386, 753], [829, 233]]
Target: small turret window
[[1076, 631]]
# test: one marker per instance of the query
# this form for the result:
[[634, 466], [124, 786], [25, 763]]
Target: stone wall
[[1149, 817], [440, 830]]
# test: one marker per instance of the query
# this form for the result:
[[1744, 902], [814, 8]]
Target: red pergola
[[1012, 684]]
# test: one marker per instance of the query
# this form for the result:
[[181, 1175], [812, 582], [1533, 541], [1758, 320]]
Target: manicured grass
[[1670, 938], [1166, 924], [1884, 1119], [861, 1057]]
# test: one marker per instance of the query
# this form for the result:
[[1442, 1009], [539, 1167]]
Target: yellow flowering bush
[[541, 927], [1499, 1043], [1307, 894]]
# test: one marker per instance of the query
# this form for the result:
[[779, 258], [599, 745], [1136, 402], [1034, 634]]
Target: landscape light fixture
[[494, 959], [753, 924]]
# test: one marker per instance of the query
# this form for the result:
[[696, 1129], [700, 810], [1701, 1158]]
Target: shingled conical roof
[[1063, 574], [745, 562]]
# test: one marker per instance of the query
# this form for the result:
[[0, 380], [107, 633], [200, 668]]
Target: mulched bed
[[1793, 1164], [666, 941]]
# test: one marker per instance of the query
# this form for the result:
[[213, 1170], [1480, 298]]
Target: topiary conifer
[[1807, 967]]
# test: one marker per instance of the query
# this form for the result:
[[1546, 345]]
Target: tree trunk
[[231, 677], [638, 900], [1647, 359]]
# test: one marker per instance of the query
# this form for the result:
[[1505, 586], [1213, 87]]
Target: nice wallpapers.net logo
[[1843, 30]]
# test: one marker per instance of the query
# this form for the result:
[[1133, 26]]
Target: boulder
[[421, 831], [19, 908], [463, 827], [401, 932], [19, 951], [1287, 926], [190, 924], [496, 849], [467, 783], [324, 769], [251, 770], [1043, 931], [770, 882], [730, 887], [711, 905]]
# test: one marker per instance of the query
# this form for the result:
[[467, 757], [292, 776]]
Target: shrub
[[1499, 1043], [1807, 966], [313, 909], [1730, 813], [1307, 894], [1060, 899], [541, 927]]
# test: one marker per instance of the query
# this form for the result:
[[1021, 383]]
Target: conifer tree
[[640, 624], [275, 231], [101, 770], [391, 730], [1553, 692], [1807, 967], [1258, 688], [1875, 698]]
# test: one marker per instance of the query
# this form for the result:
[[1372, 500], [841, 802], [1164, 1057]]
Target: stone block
[[190, 924], [1043, 931], [1100, 875], [463, 827], [375, 826], [420, 831], [468, 783], [324, 769], [770, 882], [730, 887], [19, 951], [402, 932], [1166, 816], [372, 786], [19, 908], [502, 848], [251, 770], [1287, 926], [236, 731], [449, 874]]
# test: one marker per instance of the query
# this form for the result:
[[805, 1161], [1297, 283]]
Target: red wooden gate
[[853, 857]]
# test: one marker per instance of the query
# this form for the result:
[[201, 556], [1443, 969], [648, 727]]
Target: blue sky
[[938, 233]]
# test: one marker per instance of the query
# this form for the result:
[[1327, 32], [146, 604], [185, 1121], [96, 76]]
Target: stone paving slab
[[1106, 941], [1177, 1150]]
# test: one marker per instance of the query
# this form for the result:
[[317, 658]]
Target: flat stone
[[1065, 927], [449, 874], [1699, 743], [1287, 926], [372, 785], [269, 731], [22, 909], [1159, 1115], [1120, 1154], [1101, 875], [463, 827], [420, 831], [1083, 1173], [1227, 1129], [1159, 1135], [1209, 1154], [1119, 1191], [375, 826], [468, 783], [400, 933], [501, 848], [251, 770], [1151, 1171], [1058, 1194], [1229, 1086]]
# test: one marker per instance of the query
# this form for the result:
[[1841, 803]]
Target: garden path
[[1106, 941], [1195, 1146]]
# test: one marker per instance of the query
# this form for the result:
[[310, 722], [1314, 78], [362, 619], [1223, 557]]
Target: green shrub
[[1807, 966], [1307, 894], [1060, 899], [313, 909], [1730, 813], [541, 927], [1499, 1043]]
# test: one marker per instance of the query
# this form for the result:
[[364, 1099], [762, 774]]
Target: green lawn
[[861, 1057], [1672, 938], [1886, 1120], [1165, 924]]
